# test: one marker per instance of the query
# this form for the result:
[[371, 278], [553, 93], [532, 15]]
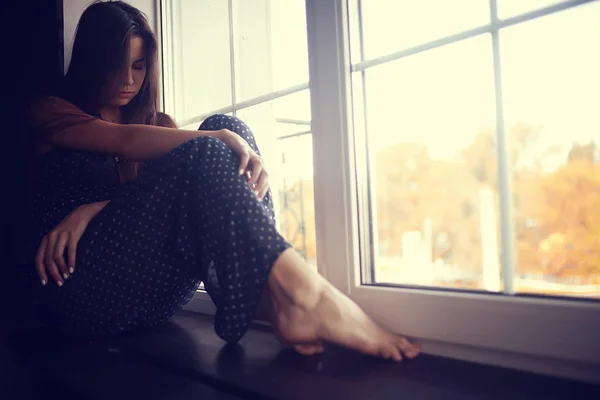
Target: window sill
[[184, 359], [260, 368], [479, 328]]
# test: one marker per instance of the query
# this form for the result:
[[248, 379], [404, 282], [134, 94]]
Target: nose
[[129, 79]]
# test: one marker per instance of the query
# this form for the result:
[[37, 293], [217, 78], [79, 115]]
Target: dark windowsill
[[185, 359]]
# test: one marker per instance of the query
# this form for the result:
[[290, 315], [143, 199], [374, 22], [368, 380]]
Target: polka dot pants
[[188, 217]]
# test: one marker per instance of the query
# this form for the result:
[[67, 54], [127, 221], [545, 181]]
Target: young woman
[[132, 214]]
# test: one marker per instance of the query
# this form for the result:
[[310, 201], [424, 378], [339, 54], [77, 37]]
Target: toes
[[408, 349], [395, 354], [319, 348], [309, 349]]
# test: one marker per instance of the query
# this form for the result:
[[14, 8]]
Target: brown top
[[50, 114]]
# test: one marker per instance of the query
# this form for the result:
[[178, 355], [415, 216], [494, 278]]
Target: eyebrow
[[140, 60]]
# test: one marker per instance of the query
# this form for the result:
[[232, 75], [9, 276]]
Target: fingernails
[[60, 283], [241, 172], [65, 276], [43, 282], [71, 269]]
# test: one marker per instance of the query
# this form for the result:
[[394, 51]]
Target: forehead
[[136, 48]]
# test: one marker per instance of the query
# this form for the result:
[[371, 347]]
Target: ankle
[[293, 281]]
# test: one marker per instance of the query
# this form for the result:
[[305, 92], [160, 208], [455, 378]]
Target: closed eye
[[139, 64]]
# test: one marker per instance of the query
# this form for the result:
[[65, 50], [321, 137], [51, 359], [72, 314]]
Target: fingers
[[39, 261], [257, 167], [248, 159], [59, 253], [72, 250], [262, 185], [49, 262], [244, 160]]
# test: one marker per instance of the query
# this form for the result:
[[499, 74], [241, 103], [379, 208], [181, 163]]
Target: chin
[[123, 102]]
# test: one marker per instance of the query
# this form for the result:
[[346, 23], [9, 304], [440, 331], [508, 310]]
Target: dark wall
[[32, 62]]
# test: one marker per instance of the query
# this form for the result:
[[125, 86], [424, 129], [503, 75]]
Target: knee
[[222, 121], [207, 145], [202, 148], [214, 122]]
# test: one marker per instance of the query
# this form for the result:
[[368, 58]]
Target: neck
[[112, 114]]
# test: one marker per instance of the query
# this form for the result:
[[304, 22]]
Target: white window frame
[[546, 335]]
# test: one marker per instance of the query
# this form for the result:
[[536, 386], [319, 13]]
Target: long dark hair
[[99, 61], [100, 57]]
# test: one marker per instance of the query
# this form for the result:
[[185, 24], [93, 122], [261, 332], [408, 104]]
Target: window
[[452, 157], [254, 65], [429, 114]]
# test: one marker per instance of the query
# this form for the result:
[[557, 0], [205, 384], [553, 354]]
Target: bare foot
[[308, 311], [266, 313]]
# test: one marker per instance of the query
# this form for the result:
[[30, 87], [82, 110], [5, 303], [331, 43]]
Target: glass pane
[[393, 25], [430, 120], [270, 46], [282, 130], [511, 8], [201, 57], [551, 80]]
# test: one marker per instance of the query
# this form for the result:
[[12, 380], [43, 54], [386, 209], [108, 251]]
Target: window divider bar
[[367, 213], [421, 48], [158, 21], [517, 19], [292, 121], [361, 31], [295, 135], [231, 56], [505, 193], [168, 76], [247, 103]]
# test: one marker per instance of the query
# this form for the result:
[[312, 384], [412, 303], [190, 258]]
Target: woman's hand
[[65, 236], [251, 164]]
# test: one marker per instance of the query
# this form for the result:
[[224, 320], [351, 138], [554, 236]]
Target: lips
[[125, 94]]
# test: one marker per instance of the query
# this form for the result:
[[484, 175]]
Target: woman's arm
[[50, 257], [132, 142], [61, 124]]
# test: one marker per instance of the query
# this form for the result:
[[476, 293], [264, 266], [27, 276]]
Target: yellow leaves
[[557, 213], [567, 209]]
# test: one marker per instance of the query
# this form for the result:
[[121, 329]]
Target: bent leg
[[219, 121], [152, 243]]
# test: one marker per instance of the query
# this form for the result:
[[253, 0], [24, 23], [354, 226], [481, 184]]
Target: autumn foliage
[[556, 204]]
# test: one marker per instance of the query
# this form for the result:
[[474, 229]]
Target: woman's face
[[135, 74]]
